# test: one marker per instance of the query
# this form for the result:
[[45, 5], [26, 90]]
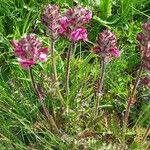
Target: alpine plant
[[106, 48], [144, 47], [50, 18], [71, 28], [29, 50]]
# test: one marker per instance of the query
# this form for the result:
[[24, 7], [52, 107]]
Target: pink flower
[[50, 18], [107, 45], [79, 34], [106, 40], [28, 50], [71, 25]]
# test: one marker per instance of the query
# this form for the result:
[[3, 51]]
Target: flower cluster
[[144, 40], [28, 50], [106, 45], [50, 18], [71, 24]]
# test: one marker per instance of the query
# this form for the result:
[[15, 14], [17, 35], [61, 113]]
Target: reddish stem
[[100, 85], [41, 100], [132, 95]]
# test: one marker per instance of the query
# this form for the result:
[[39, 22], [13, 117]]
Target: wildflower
[[106, 45], [28, 50], [71, 28], [50, 18], [106, 48], [71, 24], [144, 40]]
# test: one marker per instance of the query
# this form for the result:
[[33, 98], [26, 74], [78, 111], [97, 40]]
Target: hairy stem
[[126, 116], [55, 72], [100, 85], [68, 68], [41, 100]]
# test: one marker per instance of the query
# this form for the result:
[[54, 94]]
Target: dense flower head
[[71, 24], [144, 40], [28, 50], [50, 18], [106, 45], [78, 16]]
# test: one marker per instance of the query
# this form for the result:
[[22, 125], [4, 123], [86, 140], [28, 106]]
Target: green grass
[[22, 123]]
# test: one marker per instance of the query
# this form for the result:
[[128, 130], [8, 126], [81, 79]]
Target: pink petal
[[61, 30], [64, 23], [79, 34], [43, 57], [44, 50], [25, 64], [88, 16], [43, 54], [19, 52], [115, 52]]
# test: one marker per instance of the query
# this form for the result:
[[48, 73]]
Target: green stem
[[68, 68], [41, 100], [100, 86], [55, 72]]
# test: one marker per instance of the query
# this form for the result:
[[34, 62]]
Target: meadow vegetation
[[63, 100]]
